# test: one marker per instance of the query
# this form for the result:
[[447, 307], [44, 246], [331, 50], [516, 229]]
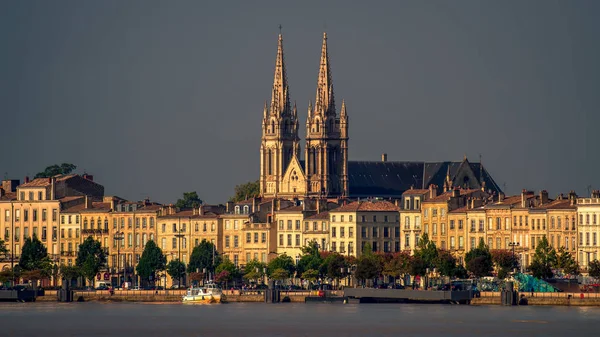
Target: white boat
[[210, 293]]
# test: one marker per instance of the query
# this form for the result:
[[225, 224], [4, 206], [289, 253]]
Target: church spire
[[280, 100], [324, 101]]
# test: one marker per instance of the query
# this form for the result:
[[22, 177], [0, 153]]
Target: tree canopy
[[90, 258], [3, 249], [244, 191], [202, 257], [398, 265], [281, 262], [69, 272], [427, 251], [505, 261], [543, 260], [310, 260], [190, 200], [566, 262], [34, 256], [176, 269], [445, 263], [479, 260], [367, 265], [51, 171], [594, 269], [254, 270], [152, 261]]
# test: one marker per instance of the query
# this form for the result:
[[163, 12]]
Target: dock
[[367, 295]]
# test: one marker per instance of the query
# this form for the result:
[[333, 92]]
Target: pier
[[367, 295]]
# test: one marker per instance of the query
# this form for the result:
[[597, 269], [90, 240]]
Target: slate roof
[[319, 216], [366, 206], [391, 179]]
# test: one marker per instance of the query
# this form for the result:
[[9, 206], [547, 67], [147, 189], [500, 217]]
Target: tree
[[334, 264], [190, 200], [280, 274], [427, 251], [69, 272], [311, 259], [398, 265], [281, 262], [310, 275], [34, 256], [254, 270], [594, 269], [566, 262], [445, 263], [223, 277], [543, 260], [244, 191], [417, 266], [152, 261], [90, 258], [479, 260], [505, 261], [51, 171], [176, 269], [203, 256], [226, 271], [3, 249], [367, 265]]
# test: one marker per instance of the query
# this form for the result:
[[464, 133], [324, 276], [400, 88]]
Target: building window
[[297, 239], [451, 224], [375, 232], [472, 243], [342, 234], [334, 246], [54, 214], [280, 239], [248, 237], [351, 232], [151, 222], [333, 218], [236, 224], [174, 243], [263, 237], [350, 218], [280, 224], [255, 237], [289, 225], [374, 218], [227, 241], [289, 239], [443, 228], [297, 225], [385, 218], [386, 232], [363, 218], [341, 218], [460, 224], [452, 243], [236, 243], [164, 243], [333, 232]]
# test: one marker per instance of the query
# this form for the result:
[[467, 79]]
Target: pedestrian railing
[[545, 295]]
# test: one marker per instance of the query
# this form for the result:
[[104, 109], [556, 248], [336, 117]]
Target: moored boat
[[210, 293]]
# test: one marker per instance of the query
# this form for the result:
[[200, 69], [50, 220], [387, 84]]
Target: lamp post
[[118, 237], [179, 235], [513, 245]]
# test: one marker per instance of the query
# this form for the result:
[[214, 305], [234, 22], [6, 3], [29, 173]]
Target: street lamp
[[118, 237], [179, 235], [513, 245]]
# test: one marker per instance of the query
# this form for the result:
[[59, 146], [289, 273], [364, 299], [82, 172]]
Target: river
[[292, 319]]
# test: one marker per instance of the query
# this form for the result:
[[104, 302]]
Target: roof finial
[[465, 157], [280, 29]]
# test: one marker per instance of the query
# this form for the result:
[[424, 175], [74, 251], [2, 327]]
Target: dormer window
[[237, 209], [246, 209]]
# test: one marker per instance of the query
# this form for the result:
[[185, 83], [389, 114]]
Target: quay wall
[[559, 299]]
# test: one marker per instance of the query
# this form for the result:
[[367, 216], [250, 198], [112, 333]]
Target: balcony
[[67, 253], [94, 231]]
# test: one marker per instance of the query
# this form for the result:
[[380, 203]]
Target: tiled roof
[[367, 206], [9, 196], [415, 191], [299, 208], [446, 195], [319, 216], [559, 204], [42, 182]]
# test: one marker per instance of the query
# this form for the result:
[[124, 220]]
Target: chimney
[[543, 197], [524, 198], [572, 197], [455, 192], [52, 188], [432, 191], [229, 207], [560, 197], [195, 211], [384, 157], [318, 205], [88, 202], [253, 204], [26, 179], [201, 210], [2, 192], [595, 194], [501, 196]]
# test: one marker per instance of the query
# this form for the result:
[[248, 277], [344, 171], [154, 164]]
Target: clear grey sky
[[160, 97]]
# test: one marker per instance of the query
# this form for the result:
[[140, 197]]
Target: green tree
[[367, 265], [417, 266], [254, 270], [90, 258], [34, 256], [543, 260], [176, 269], [203, 256], [244, 191], [281, 262], [594, 269], [226, 271], [479, 260], [190, 200], [69, 272], [566, 262], [445, 263], [3, 249], [427, 251], [398, 265], [310, 275], [335, 263], [280, 274], [505, 262], [310, 260], [51, 171], [152, 261]]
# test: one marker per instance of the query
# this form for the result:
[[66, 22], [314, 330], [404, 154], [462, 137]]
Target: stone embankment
[[566, 299]]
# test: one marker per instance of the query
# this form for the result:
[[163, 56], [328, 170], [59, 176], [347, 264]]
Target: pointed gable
[[294, 181]]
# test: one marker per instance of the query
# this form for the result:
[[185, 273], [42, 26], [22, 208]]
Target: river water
[[292, 319]]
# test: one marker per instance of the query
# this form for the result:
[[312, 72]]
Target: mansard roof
[[391, 179]]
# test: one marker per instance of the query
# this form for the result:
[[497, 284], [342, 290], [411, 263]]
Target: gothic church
[[325, 170]]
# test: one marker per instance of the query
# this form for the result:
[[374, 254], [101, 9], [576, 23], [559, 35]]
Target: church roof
[[391, 179]]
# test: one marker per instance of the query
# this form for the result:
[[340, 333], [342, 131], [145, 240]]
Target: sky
[[156, 98]]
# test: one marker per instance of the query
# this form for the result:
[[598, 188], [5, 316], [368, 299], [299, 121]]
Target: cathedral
[[324, 170]]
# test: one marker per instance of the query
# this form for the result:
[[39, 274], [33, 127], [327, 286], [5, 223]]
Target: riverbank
[[550, 299]]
